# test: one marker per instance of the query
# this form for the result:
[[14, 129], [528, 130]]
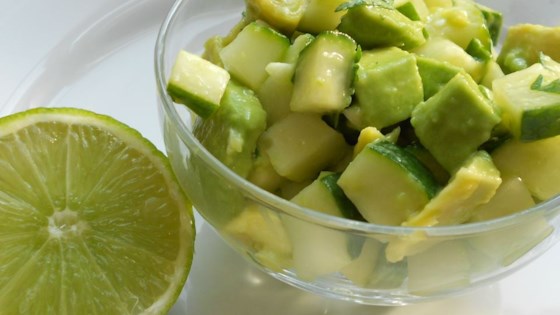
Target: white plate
[[98, 55]]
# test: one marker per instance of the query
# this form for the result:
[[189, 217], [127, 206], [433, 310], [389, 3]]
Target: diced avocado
[[231, 133], [453, 123], [324, 74], [367, 136], [282, 15], [529, 110], [525, 42], [385, 27], [435, 74], [247, 56], [265, 234], [197, 83], [387, 184], [460, 23], [536, 162], [474, 184], [512, 196], [321, 15], [445, 50], [388, 87], [301, 145]]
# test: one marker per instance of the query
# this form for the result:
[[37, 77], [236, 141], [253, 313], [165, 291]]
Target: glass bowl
[[331, 256]]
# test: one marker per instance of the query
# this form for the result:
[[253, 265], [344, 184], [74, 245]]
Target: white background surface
[[98, 55]]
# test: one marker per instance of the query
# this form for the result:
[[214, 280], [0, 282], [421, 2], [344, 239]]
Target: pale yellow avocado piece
[[525, 42], [475, 183], [264, 233], [367, 135]]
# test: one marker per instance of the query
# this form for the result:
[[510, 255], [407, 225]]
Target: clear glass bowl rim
[[278, 204]]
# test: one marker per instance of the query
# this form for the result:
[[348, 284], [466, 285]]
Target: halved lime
[[92, 220]]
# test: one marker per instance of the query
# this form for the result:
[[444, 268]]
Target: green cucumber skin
[[346, 206], [409, 162], [540, 123], [199, 106]]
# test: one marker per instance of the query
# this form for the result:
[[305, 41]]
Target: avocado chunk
[[387, 87], [231, 133], [385, 27], [525, 42], [453, 123], [435, 74], [321, 15], [474, 184]]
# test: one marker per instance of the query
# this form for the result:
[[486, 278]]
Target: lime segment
[[92, 220]]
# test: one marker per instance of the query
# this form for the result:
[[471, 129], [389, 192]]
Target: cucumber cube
[[197, 83], [531, 113], [324, 74], [247, 56]]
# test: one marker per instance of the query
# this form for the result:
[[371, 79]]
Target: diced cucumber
[[323, 196], [435, 5], [197, 83], [492, 72], [232, 132], [422, 154], [214, 44], [535, 162], [512, 196], [263, 174], [524, 43], [453, 123], [317, 250], [321, 15], [283, 15], [416, 10], [479, 51], [444, 267], [493, 20], [301, 145], [276, 91], [445, 50], [505, 246], [298, 45], [385, 27], [265, 234], [460, 23], [387, 184], [247, 56], [388, 87], [529, 112], [362, 268], [435, 74], [325, 67], [474, 184]]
